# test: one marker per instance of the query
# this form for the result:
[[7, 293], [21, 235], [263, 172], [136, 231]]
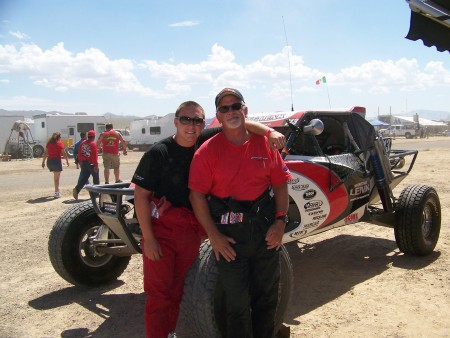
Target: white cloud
[[62, 70], [19, 35], [185, 24]]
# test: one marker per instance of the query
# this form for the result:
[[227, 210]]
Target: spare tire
[[201, 300]]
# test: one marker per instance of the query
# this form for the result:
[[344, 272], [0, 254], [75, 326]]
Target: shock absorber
[[381, 181]]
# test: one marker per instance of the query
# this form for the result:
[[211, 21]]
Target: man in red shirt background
[[109, 142], [88, 160]]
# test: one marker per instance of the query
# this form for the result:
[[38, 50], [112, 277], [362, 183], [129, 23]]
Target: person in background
[[54, 150], [230, 179], [77, 146], [171, 233], [109, 142], [88, 160]]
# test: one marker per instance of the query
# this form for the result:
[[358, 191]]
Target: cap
[[228, 91], [91, 133]]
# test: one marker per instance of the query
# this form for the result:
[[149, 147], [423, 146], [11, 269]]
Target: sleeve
[[148, 171], [200, 177], [206, 134], [280, 173]]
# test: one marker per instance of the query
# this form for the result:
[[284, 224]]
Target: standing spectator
[[53, 152], [77, 146], [109, 142], [171, 233], [244, 223], [88, 160]]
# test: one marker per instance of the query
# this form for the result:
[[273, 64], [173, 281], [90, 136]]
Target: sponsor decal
[[258, 158], [309, 194], [352, 218], [315, 218], [317, 212], [298, 233], [293, 181], [313, 205], [311, 225], [360, 189], [300, 187]]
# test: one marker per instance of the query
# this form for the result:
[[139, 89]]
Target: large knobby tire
[[69, 152], [71, 254], [38, 150], [201, 300], [418, 220]]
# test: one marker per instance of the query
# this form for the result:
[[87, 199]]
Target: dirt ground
[[349, 282]]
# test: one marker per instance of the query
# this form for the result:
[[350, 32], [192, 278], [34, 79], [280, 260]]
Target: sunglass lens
[[234, 106]]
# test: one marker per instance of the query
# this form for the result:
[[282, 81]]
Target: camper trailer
[[145, 132], [70, 127]]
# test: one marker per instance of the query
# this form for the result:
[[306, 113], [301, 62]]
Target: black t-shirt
[[164, 169]]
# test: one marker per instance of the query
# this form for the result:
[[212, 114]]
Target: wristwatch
[[283, 217]]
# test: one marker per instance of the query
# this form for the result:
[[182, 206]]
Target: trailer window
[[71, 131], [43, 124], [155, 130], [85, 127], [143, 130]]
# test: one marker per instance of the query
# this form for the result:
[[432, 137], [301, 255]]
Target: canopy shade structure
[[378, 123], [430, 22]]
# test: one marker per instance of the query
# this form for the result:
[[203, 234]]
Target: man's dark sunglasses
[[186, 120], [234, 106]]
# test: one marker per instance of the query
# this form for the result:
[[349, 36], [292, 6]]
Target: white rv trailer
[[145, 132], [70, 127]]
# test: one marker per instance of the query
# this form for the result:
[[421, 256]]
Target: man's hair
[[109, 126], [189, 104], [82, 134]]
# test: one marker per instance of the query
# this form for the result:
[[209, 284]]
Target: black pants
[[250, 282]]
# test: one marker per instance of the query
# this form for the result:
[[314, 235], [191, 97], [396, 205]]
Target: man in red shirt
[[88, 160], [244, 223], [109, 142]]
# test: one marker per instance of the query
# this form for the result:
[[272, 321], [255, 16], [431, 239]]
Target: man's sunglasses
[[186, 120], [234, 106]]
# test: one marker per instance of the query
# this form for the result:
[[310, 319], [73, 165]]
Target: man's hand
[[274, 235], [152, 249], [277, 139], [221, 246]]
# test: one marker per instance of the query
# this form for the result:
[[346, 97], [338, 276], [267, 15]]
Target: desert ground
[[349, 282]]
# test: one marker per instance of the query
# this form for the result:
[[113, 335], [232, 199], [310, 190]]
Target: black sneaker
[[75, 193], [119, 181]]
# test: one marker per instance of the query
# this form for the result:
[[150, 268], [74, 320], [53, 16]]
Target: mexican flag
[[322, 80]]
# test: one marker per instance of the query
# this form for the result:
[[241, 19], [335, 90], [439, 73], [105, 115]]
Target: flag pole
[[328, 93]]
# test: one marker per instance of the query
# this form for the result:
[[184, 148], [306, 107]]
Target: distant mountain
[[119, 121]]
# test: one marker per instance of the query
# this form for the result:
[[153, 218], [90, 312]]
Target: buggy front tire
[[417, 220], [72, 253]]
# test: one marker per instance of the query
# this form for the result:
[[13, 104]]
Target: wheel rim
[[427, 225], [88, 254]]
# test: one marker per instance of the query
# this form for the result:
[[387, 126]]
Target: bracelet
[[268, 132], [280, 214]]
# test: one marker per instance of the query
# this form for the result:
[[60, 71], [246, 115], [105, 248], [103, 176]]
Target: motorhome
[[70, 127], [145, 132]]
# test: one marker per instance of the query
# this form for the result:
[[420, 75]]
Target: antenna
[[289, 62]]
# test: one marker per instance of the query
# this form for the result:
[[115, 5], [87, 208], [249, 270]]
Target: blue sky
[[145, 57]]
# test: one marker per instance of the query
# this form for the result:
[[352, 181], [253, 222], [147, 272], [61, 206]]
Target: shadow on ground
[[326, 270], [123, 313]]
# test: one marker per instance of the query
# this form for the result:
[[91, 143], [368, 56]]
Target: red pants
[[177, 234]]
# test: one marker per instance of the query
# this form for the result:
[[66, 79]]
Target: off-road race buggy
[[343, 172]]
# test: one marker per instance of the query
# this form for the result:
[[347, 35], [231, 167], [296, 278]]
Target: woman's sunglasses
[[186, 120], [234, 106]]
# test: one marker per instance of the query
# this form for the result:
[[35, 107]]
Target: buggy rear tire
[[201, 301], [71, 253], [417, 220], [69, 152]]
